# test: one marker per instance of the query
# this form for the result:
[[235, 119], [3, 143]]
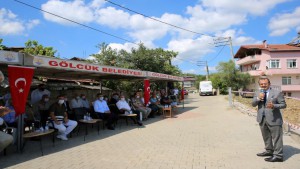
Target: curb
[[251, 112]]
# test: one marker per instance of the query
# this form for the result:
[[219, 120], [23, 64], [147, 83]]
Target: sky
[[190, 27]]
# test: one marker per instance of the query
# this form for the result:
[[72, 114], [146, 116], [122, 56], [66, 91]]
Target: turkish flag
[[182, 94], [19, 83], [146, 91]]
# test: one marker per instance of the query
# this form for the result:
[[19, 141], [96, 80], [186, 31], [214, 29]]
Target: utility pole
[[204, 63], [224, 41]]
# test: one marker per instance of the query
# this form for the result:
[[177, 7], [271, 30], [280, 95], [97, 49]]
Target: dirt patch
[[291, 114]]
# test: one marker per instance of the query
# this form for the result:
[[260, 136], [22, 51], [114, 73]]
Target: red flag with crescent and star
[[19, 83], [146, 91]]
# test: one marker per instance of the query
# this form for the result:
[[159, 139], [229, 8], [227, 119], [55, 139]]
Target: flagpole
[[20, 133]]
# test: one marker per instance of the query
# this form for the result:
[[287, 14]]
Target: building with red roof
[[280, 62]]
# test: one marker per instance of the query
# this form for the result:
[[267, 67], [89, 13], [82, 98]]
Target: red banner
[[146, 91], [19, 83]]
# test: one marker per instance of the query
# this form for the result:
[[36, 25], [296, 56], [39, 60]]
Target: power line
[[157, 19], [89, 27], [217, 54], [194, 62], [170, 25]]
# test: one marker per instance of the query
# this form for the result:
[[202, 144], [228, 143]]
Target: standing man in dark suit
[[269, 102]]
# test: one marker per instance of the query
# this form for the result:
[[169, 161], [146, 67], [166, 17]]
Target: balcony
[[290, 88], [248, 60], [254, 72]]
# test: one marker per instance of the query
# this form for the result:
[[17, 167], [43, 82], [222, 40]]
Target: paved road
[[206, 134]]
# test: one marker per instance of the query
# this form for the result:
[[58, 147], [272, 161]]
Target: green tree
[[155, 60], [218, 83], [229, 76], [34, 48], [2, 47]]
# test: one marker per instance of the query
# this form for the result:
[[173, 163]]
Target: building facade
[[279, 62], [189, 83]]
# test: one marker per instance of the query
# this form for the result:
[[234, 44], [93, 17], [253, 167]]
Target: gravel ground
[[291, 114]]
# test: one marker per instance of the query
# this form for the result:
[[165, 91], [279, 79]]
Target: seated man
[[85, 102], [165, 100], [60, 119], [77, 107], [124, 107], [67, 105], [5, 139], [37, 94], [173, 99], [41, 110], [138, 104], [154, 104], [114, 99], [102, 110]]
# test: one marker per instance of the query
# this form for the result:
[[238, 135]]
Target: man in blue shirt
[[102, 110]]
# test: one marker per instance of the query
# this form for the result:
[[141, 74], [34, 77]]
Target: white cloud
[[211, 69], [192, 71], [283, 23], [32, 23], [127, 46], [253, 7], [145, 29], [75, 10], [213, 17], [91, 58], [209, 20], [112, 17], [237, 37], [11, 25], [97, 4], [190, 49]]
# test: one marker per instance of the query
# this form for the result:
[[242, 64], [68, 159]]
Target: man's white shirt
[[100, 106], [123, 105]]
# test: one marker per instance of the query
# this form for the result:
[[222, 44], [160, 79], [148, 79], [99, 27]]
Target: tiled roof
[[270, 47]]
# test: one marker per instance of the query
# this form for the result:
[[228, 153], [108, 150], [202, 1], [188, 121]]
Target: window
[[274, 64], [286, 80], [291, 63], [287, 94]]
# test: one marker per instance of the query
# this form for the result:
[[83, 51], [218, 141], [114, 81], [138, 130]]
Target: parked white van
[[205, 88]]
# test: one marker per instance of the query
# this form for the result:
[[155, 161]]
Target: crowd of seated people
[[63, 115]]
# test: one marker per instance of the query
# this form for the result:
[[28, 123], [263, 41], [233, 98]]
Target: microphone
[[261, 94]]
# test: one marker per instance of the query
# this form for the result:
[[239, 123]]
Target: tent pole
[[20, 126], [20, 133], [183, 95], [100, 86]]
